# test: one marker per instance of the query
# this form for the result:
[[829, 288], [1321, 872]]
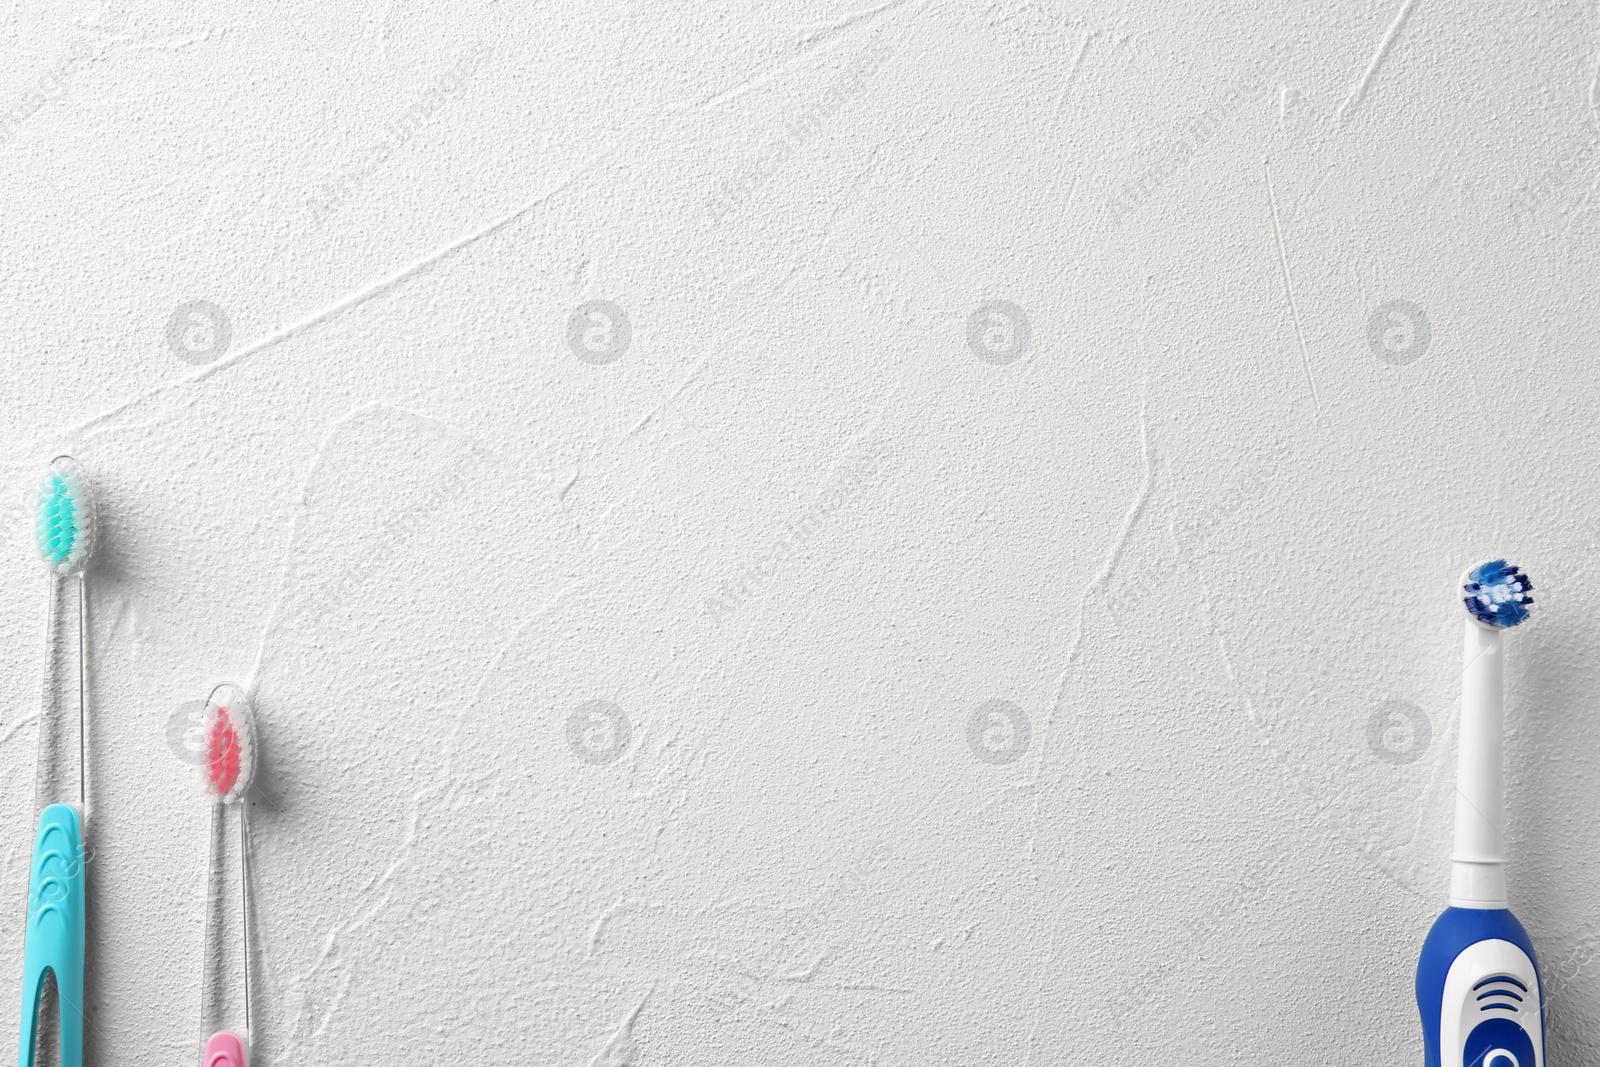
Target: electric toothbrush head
[[1495, 594]]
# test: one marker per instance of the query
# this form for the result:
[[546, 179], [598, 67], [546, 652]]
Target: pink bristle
[[222, 754]]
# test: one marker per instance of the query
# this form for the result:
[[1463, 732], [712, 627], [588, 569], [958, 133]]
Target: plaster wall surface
[[839, 533]]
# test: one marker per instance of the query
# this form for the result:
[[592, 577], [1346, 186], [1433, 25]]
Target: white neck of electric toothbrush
[[1478, 863]]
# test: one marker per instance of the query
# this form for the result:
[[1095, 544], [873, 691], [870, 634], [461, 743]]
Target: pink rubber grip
[[224, 1049]]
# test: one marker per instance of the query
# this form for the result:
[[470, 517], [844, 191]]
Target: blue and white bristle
[[1496, 594]]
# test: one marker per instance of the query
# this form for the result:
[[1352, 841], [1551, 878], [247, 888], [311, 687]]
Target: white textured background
[[1201, 533]]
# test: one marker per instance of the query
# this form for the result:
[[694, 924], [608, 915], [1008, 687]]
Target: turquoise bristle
[[57, 526], [63, 521]]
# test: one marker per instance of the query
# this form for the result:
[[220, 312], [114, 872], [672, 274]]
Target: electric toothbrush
[[1478, 979]]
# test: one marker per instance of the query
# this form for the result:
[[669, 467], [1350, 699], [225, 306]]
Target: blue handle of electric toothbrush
[[1506, 1023], [53, 940]]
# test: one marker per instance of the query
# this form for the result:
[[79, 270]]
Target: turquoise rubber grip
[[53, 941]]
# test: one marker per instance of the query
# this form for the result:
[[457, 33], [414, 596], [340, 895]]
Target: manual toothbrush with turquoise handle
[[1478, 979], [53, 933]]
